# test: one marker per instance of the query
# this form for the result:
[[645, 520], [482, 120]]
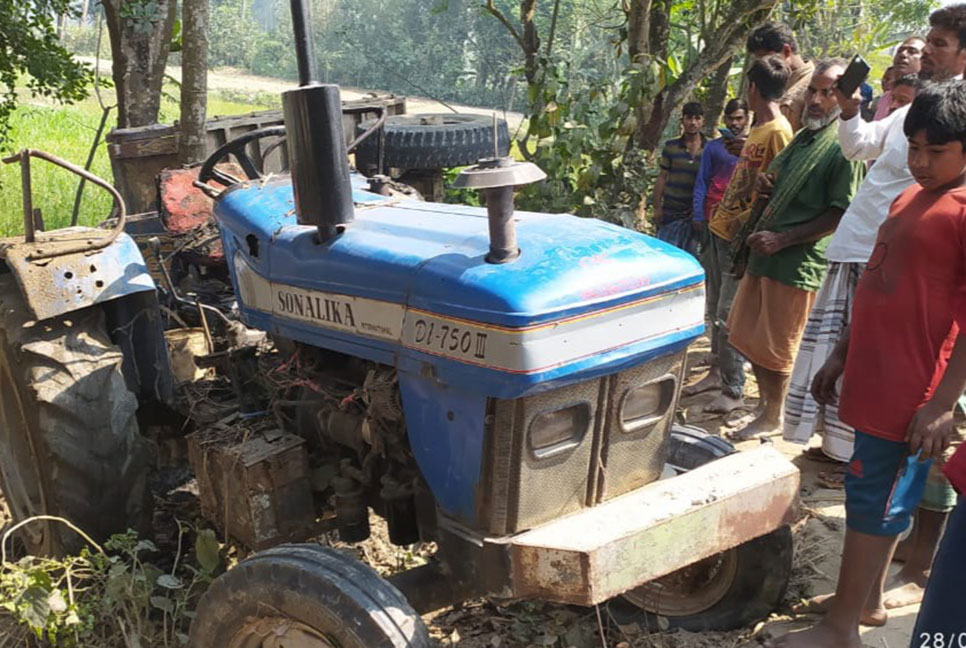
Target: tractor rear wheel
[[726, 591], [433, 141], [305, 596], [69, 440]]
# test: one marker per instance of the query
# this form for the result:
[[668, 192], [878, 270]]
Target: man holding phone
[[851, 246]]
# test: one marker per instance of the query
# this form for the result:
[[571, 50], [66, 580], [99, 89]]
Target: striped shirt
[[682, 169]]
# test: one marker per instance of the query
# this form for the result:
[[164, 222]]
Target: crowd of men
[[832, 229]]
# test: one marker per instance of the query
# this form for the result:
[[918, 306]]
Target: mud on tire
[[69, 440], [310, 591]]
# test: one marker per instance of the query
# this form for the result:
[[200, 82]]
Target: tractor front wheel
[[305, 596]]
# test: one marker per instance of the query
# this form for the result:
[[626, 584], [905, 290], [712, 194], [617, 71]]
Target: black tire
[[317, 588], [419, 141], [69, 440], [757, 573]]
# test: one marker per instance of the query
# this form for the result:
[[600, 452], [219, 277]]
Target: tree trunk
[[85, 7], [139, 48], [717, 96], [638, 29], [742, 16], [659, 28], [194, 80], [531, 41]]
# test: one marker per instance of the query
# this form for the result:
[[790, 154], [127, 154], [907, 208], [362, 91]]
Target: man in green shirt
[[808, 187]]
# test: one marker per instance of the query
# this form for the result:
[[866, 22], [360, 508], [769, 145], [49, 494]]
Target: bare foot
[[901, 595], [709, 382], [760, 428], [819, 636], [822, 603], [724, 404]]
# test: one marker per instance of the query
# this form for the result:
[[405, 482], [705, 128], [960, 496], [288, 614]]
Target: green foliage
[[119, 596], [29, 49], [233, 37], [142, 15], [844, 27], [582, 133]]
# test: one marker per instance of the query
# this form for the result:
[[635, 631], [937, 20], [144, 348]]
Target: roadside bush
[[582, 139], [274, 58], [82, 40]]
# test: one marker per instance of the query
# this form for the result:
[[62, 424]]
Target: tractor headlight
[[558, 430], [645, 405]]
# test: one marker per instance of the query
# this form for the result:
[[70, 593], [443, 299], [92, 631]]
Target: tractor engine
[[350, 413], [542, 455]]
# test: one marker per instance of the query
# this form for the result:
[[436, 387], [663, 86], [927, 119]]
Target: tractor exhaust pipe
[[497, 177], [316, 142]]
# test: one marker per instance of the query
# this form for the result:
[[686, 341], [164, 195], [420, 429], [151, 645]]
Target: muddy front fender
[[114, 278]]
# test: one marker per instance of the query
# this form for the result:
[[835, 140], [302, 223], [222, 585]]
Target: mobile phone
[[854, 75], [726, 133]]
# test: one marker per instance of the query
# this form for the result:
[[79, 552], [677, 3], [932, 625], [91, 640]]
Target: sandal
[[815, 453], [834, 479]]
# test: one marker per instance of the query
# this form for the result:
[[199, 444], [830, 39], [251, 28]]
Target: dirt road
[[237, 81]]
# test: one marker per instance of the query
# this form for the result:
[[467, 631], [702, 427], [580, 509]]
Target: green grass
[[67, 132]]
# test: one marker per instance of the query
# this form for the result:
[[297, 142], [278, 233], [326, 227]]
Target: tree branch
[[490, 7], [553, 27]]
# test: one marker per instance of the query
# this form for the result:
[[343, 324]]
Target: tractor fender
[[114, 278], [56, 285]]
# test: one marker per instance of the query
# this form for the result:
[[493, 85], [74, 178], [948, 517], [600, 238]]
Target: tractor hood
[[407, 283]]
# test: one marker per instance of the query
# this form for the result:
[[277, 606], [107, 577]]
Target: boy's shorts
[[883, 486]]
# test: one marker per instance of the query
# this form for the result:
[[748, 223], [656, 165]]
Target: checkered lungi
[[830, 314]]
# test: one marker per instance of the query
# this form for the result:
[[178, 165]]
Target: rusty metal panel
[[253, 486], [599, 553], [56, 285]]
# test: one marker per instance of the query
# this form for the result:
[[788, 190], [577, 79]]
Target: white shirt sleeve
[[862, 140]]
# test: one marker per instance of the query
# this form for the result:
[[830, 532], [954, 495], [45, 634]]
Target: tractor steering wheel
[[237, 148]]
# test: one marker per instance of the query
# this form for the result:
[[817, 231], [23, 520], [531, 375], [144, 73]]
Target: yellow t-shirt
[[763, 144]]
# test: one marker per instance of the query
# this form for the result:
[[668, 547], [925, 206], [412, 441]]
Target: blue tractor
[[501, 383]]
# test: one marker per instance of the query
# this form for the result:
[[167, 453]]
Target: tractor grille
[[530, 479]]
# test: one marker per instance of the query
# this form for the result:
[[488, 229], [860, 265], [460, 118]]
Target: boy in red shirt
[[903, 360]]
